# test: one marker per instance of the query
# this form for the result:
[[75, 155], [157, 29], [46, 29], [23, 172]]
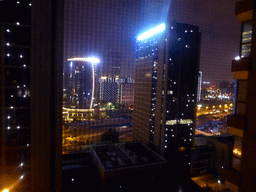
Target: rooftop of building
[[79, 173]]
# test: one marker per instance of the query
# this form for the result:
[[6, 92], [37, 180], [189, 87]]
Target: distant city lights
[[151, 32]]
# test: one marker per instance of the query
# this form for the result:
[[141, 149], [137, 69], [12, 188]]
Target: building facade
[[240, 177], [166, 81], [80, 84], [116, 90], [31, 83], [15, 41]]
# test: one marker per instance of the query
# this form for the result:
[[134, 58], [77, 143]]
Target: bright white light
[[8, 127], [21, 177], [8, 44], [6, 190], [237, 58], [219, 181], [27, 145], [11, 95], [30, 4], [89, 59], [8, 117], [8, 55], [17, 23], [18, 2], [92, 60], [8, 30], [18, 127], [21, 164], [21, 56], [11, 107], [151, 32], [24, 65], [72, 179]]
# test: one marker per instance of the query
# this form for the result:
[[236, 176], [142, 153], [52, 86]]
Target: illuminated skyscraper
[[80, 83], [30, 95], [166, 81]]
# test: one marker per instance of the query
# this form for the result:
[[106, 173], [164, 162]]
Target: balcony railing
[[236, 121], [240, 65]]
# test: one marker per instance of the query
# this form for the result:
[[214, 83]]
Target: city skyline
[[219, 27]]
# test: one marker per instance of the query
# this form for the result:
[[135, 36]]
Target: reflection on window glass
[[240, 108], [246, 50], [237, 152], [246, 40], [236, 163], [241, 92], [247, 33]]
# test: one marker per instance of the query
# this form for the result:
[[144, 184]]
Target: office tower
[[31, 95], [80, 83], [241, 175], [109, 90], [117, 90], [166, 82], [220, 34], [15, 41], [127, 92]]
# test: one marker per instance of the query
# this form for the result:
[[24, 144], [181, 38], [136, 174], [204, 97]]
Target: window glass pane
[[236, 163], [241, 92], [247, 33], [237, 153], [237, 150], [240, 109], [246, 50]]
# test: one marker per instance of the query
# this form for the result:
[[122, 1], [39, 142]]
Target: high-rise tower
[[30, 95], [80, 80], [166, 82]]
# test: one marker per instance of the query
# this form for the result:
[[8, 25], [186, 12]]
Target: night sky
[[108, 29]]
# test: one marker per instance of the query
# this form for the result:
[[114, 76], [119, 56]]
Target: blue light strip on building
[[151, 32]]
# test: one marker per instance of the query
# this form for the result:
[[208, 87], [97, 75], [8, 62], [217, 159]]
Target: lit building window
[[237, 153], [246, 39]]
